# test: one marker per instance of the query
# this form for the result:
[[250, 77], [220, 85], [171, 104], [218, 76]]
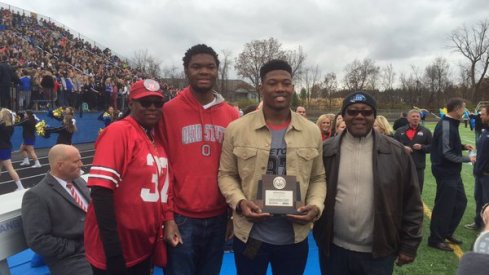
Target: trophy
[[279, 195]]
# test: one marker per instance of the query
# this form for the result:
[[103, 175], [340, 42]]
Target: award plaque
[[279, 194]]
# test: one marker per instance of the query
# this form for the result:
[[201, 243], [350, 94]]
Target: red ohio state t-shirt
[[127, 162]]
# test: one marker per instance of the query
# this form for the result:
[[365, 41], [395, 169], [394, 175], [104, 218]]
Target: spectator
[[301, 110], [337, 119], [417, 142], [131, 195], [192, 129], [7, 77], [401, 121], [355, 234], [382, 125], [24, 96], [324, 124], [340, 127], [481, 171], [53, 213], [446, 164]]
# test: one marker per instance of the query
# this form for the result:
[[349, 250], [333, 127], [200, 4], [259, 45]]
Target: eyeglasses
[[148, 103], [355, 113]]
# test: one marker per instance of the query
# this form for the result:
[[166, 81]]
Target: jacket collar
[[296, 122], [381, 144]]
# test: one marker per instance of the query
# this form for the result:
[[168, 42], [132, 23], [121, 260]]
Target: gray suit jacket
[[53, 225]]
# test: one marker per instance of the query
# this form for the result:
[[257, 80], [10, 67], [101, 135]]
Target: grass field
[[433, 261]]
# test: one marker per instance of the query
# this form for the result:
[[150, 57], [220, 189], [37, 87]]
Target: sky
[[332, 33]]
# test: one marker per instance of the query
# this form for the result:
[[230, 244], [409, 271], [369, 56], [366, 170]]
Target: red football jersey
[[136, 169]]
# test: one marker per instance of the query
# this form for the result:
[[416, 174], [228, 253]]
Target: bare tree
[[174, 76], [437, 79], [473, 43], [411, 85], [296, 60], [360, 75], [311, 78], [225, 59], [258, 52], [147, 64], [387, 78], [330, 86]]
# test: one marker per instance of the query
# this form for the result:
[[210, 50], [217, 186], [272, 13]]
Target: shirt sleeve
[[112, 154]]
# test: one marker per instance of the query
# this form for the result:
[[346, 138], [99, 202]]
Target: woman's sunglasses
[[147, 103]]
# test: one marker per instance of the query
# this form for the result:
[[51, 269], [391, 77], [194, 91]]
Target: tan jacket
[[244, 160]]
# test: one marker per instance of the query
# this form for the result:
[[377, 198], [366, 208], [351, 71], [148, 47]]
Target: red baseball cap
[[144, 88]]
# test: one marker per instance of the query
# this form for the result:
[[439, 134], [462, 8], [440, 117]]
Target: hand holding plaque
[[279, 194]]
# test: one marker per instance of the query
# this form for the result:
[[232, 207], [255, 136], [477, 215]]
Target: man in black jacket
[[400, 122], [446, 164], [7, 77], [373, 208], [417, 142]]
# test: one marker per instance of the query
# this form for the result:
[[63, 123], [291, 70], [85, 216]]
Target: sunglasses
[[148, 103], [364, 113]]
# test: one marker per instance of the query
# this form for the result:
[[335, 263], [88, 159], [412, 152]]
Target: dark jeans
[[342, 261], [202, 249], [450, 203], [142, 268], [420, 173], [481, 195], [285, 259]]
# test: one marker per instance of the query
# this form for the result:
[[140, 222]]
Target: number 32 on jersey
[[153, 196]]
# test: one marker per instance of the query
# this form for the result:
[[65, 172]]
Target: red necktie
[[75, 196]]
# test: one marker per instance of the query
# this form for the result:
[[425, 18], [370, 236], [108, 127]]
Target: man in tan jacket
[[277, 143]]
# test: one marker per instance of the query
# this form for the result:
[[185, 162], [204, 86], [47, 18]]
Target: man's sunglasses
[[355, 113], [148, 103]]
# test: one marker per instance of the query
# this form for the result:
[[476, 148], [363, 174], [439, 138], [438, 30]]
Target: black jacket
[[446, 149], [422, 136], [398, 207], [400, 122], [28, 128], [6, 133], [64, 136]]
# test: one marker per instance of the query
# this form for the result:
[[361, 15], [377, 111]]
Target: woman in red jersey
[[130, 184]]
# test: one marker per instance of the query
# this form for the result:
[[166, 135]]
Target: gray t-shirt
[[276, 230]]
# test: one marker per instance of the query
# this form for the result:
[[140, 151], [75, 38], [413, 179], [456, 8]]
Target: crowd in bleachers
[[59, 69]]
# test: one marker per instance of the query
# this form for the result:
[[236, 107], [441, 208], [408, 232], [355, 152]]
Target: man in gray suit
[[53, 213]]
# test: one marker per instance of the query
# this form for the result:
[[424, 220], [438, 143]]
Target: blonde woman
[[382, 125], [6, 131], [324, 124]]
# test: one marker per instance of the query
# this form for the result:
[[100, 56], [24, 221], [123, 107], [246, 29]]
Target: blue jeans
[[285, 259], [202, 249], [342, 261]]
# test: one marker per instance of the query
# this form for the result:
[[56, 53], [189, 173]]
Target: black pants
[[342, 261], [285, 259], [481, 195], [420, 173], [142, 268], [450, 203], [5, 97]]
